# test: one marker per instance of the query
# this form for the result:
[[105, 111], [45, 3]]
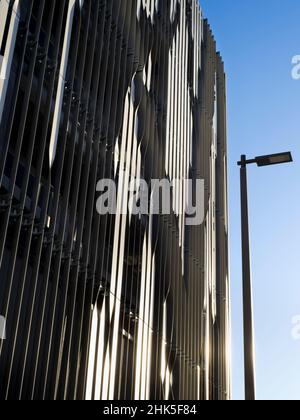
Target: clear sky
[[258, 39]]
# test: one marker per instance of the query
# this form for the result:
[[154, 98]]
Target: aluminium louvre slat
[[158, 85], [175, 295], [9, 23], [129, 305], [225, 389], [188, 307], [6, 9], [140, 385], [161, 227]]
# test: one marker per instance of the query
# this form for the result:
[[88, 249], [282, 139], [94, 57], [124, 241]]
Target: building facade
[[111, 306]]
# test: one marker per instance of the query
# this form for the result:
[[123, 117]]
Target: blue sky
[[257, 39]]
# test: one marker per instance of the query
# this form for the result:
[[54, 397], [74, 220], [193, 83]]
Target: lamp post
[[249, 349]]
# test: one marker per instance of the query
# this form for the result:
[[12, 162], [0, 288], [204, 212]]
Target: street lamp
[[249, 351]]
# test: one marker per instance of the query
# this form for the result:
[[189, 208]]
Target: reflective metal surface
[[114, 306]]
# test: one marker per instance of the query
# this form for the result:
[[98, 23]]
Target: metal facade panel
[[111, 306]]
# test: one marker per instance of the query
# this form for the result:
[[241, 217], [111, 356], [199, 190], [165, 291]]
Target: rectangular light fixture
[[276, 159]]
